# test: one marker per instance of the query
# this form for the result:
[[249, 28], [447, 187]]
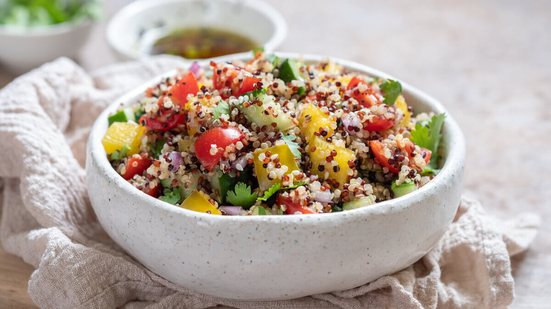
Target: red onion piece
[[324, 197], [175, 160], [242, 161], [195, 68], [231, 210]]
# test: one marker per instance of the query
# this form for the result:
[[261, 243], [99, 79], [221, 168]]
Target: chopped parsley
[[270, 192], [428, 136], [391, 90], [171, 196], [294, 146], [120, 154], [157, 148], [241, 196]]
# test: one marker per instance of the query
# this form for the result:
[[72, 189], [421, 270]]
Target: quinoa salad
[[273, 136]]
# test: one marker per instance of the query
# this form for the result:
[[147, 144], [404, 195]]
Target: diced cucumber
[[257, 114], [288, 71], [124, 115], [222, 183], [187, 189], [172, 196], [275, 60], [362, 202], [258, 211], [403, 189], [166, 183]]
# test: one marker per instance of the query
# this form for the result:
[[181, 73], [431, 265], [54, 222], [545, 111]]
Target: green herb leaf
[[391, 90], [277, 187], [270, 192], [258, 211], [294, 146], [255, 93], [301, 91], [257, 50], [275, 60], [120, 154], [171, 196], [294, 186], [223, 108], [241, 196], [157, 148], [336, 208], [428, 136]]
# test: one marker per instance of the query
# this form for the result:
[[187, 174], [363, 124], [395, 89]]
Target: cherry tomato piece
[[377, 149], [292, 207], [165, 122], [208, 155], [155, 191], [136, 165], [379, 123], [248, 85], [184, 86]]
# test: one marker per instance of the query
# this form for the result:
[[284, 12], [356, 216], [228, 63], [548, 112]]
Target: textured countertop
[[488, 61]]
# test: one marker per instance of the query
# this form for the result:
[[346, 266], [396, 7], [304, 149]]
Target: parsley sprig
[[391, 89], [428, 136], [242, 195]]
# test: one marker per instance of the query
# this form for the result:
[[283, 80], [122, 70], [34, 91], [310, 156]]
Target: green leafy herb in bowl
[[36, 13]]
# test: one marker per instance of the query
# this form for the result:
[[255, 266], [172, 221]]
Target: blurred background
[[487, 61]]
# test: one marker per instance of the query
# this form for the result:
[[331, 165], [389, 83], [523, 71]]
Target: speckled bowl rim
[[453, 164], [277, 37]]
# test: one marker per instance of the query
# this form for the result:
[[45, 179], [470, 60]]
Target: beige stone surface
[[488, 61]]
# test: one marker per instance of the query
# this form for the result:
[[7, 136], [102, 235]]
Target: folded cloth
[[47, 220]]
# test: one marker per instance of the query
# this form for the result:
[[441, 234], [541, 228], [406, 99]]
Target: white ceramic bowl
[[276, 257], [133, 29], [22, 50]]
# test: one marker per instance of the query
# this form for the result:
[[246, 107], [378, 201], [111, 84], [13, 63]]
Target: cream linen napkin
[[47, 219]]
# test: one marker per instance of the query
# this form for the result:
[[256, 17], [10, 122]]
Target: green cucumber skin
[[288, 71], [403, 189], [222, 183], [366, 201], [255, 113]]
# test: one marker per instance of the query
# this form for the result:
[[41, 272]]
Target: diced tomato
[[355, 81], [247, 85], [216, 82], [427, 154], [379, 123], [184, 86], [377, 149], [155, 191], [163, 123], [292, 207], [409, 147], [220, 138], [136, 165], [364, 98], [224, 78], [149, 92]]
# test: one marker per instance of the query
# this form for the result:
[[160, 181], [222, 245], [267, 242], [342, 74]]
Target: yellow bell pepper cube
[[312, 119], [328, 170], [199, 202], [123, 134], [285, 157], [401, 105]]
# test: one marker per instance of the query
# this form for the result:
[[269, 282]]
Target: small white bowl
[[25, 49], [276, 257], [129, 31]]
